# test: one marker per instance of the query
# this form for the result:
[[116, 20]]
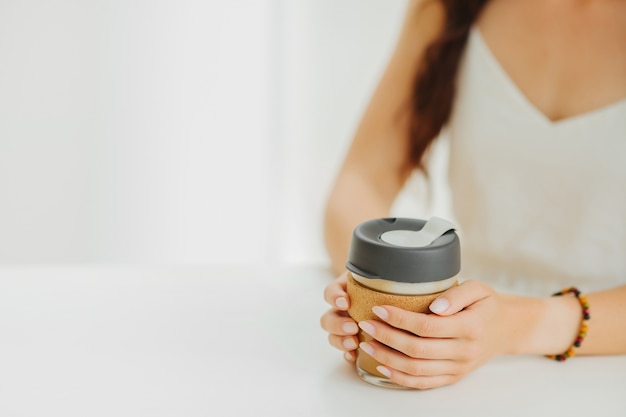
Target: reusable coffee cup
[[401, 262]]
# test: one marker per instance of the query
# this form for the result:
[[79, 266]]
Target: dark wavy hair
[[434, 85]]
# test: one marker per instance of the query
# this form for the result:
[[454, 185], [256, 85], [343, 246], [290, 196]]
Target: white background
[[179, 132]]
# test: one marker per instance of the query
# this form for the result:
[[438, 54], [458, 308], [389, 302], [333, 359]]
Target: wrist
[[552, 325], [524, 318]]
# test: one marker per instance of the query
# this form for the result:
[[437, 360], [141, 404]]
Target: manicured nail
[[349, 327], [367, 328], [349, 343], [341, 303], [380, 312], [349, 356], [367, 348], [439, 305], [383, 370]]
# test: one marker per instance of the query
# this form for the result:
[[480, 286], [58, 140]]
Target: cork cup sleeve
[[362, 299]]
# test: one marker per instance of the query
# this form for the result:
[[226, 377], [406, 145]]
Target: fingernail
[[383, 370], [439, 305], [367, 328], [349, 356], [349, 327], [349, 343], [341, 302], [367, 348], [380, 312]]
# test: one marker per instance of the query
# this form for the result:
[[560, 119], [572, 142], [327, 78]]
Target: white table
[[109, 341]]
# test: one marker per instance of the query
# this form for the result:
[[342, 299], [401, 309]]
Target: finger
[[459, 297], [419, 367], [413, 346], [335, 323], [420, 324], [418, 382], [335, 293], [350, 356], [344, 343]]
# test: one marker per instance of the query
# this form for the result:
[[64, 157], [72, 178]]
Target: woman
[[533, 94]]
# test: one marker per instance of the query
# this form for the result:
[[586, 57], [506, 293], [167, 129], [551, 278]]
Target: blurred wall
[[179, 132]]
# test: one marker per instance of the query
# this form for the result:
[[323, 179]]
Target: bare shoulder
[[380, 148], [424, 18]]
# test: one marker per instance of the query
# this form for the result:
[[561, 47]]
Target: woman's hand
[[471, 325], [341, 328]]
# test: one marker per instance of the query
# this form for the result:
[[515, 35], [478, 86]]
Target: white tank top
[[541, 205]]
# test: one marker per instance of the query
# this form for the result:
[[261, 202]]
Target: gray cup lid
[[372, 257]]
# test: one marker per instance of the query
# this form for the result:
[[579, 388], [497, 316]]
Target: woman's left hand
[[471, 325]]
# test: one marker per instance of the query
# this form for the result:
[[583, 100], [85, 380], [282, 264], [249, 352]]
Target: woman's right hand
[[341, 328]]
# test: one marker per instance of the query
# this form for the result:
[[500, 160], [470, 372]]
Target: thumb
[[459, 297]]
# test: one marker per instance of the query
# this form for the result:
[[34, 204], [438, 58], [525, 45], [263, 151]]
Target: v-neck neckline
[[512, 85]]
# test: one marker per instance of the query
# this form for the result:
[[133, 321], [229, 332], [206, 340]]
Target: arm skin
[[475, 325], [607, 324], [376, 165]]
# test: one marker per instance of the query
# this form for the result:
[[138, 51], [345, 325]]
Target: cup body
[[364, 297], [407, 277]]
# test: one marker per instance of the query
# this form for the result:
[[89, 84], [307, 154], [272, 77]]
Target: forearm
[[607, 326], [352, 201], [550, 325]]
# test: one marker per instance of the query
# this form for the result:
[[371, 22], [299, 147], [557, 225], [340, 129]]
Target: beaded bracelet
[[584, 304]]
